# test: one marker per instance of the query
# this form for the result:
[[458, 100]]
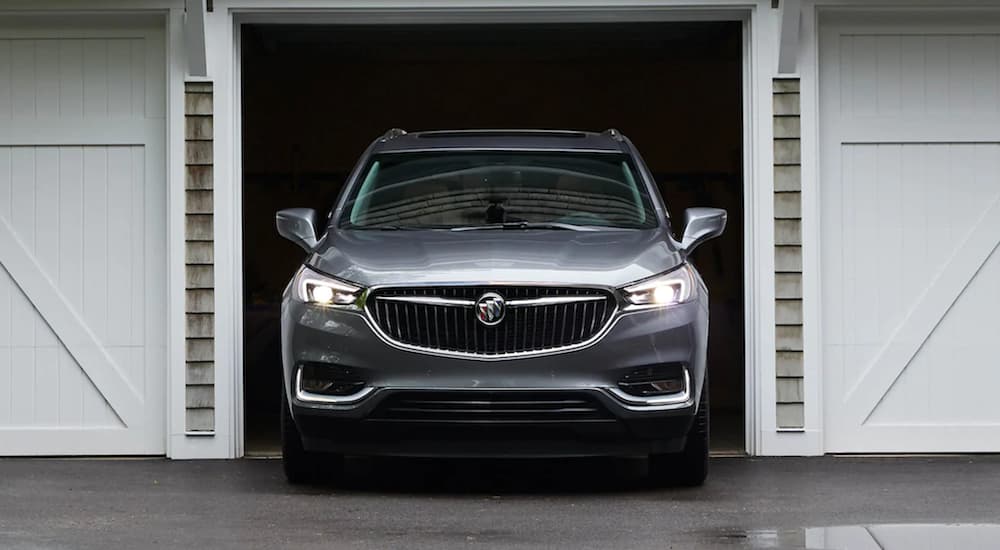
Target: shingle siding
[[788, 312], [788, 259], [787, 178], [789, 381], [788, 286], [200, 253], [199, 234], [200, 301], [789, 364]]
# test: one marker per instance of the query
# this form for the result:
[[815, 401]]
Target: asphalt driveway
[[759, 503]]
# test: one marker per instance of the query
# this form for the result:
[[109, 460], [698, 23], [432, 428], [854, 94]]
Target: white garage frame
[[225, 32]]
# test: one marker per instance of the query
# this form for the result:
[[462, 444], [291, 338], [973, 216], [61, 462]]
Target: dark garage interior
[[315, 96]]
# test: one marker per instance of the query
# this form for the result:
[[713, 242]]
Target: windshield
[[489, 190]]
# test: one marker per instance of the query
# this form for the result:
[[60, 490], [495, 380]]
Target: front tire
[[688, 468], [302, 466]]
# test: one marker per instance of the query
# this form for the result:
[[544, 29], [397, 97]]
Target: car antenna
[[614, 134], [393, 134]]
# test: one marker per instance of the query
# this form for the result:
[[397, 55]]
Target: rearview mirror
[[700, 225], [298, 225]]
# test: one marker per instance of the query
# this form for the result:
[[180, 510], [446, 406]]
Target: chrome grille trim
[[484, 406], [553, 300], [438, 319], [429, 300], [527, 302]]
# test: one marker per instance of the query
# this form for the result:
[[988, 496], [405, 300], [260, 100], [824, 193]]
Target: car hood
[[605, 258]]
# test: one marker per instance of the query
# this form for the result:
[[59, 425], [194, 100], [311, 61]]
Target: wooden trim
[[788, 35], [86, 131]]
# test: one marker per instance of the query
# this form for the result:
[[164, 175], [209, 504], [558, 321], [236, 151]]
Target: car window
[[458, 189]]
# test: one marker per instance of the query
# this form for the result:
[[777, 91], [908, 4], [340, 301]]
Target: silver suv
[[496, 293]]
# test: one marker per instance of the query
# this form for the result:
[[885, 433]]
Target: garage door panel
[[46, 229], [954, 378], [79, 210], [6, 381], [7, 298], [22, 78], [908, 206], [95, 245], [910, 198], [45, 380], [90, 77], [898, 345], [93, 222], [916, 438], [71, 382], [46, 54], [6, 99], [123, 226], [920, 237], [907, 74], [909, 536], [61, 404], [84, 229]]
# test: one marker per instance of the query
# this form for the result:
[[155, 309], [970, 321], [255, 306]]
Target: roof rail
[[393, 133], [499, 133], [614, 134]]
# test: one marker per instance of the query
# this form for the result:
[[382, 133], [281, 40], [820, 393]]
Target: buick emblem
[[490, 309]]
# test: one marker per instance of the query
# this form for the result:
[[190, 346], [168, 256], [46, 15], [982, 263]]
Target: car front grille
[[491, 406], [535, 319]]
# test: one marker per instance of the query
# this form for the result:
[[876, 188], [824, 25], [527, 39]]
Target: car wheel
[[688, 468], [302, 466]]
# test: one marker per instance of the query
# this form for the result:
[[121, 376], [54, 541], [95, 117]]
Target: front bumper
[[636, 339]]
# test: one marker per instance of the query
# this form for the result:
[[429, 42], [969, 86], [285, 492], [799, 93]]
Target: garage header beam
[[487, 15], [788, 36], [194, 37]]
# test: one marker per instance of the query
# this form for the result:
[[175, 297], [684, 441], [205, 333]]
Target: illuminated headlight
[[314, 288], [671, 288]]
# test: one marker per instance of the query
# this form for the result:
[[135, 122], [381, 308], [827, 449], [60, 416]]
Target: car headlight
[[671, 288], [314, 288]]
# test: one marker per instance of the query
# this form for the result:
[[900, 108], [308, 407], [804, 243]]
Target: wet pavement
[[830, 502]]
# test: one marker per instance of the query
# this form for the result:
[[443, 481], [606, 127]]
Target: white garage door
[[82, 239], [910, 184]]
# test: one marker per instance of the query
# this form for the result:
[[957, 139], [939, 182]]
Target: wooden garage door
[[82, 239], [910, 222]]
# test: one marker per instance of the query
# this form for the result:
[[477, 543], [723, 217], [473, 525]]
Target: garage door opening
[[314, 96]]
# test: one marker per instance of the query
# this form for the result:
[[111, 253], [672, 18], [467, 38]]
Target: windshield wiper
[[395, 227], [384, 227], [525, 225]]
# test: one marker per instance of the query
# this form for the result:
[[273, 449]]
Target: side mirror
[[700, 225], [298, 225]]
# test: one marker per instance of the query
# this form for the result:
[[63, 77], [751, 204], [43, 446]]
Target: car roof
[[399, 141]]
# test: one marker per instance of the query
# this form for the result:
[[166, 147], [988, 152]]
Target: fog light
[[663, 386], [656, 380], [324, 379]]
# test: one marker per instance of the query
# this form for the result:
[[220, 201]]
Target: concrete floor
[[755, 503]]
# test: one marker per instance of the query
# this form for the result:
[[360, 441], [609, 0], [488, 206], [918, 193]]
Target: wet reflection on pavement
[[863, 537]]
